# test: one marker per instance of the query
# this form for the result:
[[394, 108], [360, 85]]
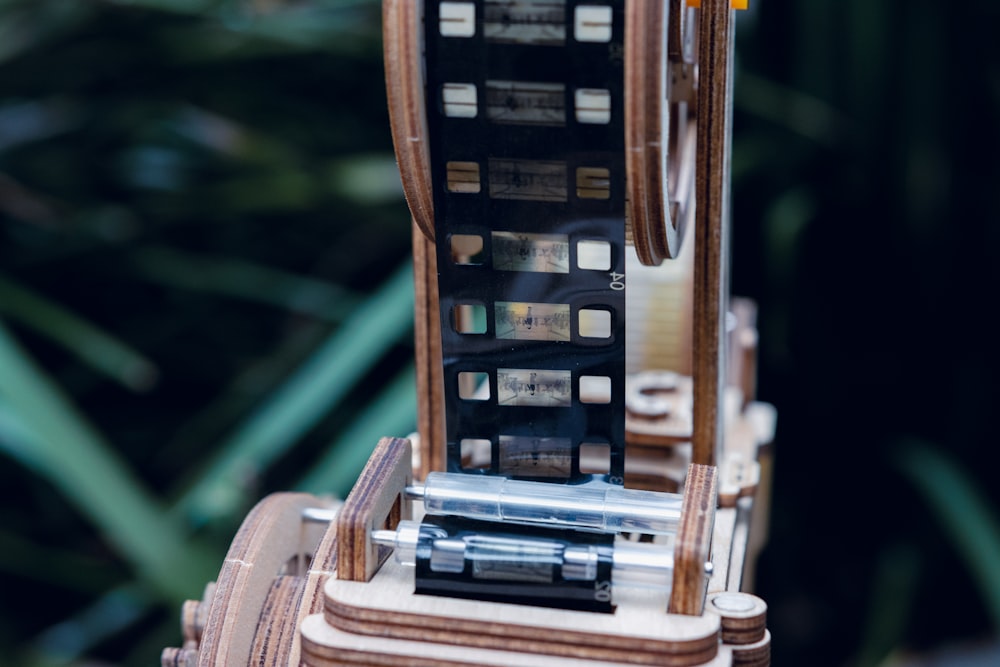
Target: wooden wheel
[[272, 578], [647, 124], [659, 136], [656, 217]]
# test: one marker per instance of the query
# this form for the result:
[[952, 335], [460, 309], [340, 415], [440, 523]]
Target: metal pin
[[320, 514]]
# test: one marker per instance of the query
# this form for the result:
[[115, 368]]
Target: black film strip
[[529, 566], [526, 133]]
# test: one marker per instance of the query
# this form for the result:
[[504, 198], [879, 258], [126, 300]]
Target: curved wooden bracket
[[401, 38], [655, 235]]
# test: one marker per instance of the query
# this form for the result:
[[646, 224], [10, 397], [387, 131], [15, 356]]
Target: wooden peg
[[179, 657], [757, 654], [193, 614], [744, 616]]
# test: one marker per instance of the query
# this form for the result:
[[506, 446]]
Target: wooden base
[[386, 607], [326, 646], [367, 600], [279, 601]]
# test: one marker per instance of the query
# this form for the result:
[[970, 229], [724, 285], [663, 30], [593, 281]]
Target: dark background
[[204, 298]]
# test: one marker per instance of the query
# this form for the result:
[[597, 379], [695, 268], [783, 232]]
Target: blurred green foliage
[[205, 297], [865, 223], [205, 282]]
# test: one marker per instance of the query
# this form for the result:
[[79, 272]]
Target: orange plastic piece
[[736, 4]]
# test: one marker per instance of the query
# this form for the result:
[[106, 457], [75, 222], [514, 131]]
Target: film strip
[[526, 136], [549, 567]]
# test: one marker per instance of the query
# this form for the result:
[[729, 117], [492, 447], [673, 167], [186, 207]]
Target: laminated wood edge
[[402, 31], [376, 501], [429, 366], [710, 242], [269, 537], [694, 541]]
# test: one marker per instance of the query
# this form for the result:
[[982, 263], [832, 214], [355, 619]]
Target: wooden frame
[[277, 601]]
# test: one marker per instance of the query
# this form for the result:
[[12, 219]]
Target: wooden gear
[[299, 587]]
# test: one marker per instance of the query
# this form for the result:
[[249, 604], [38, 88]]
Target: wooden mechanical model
[[589, 481]]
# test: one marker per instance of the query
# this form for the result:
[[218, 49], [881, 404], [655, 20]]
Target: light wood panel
[[385, 607]]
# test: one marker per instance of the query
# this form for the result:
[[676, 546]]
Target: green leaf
[[894, 587], [51, 438], [963, 512], [66, 567], [309, 394], [335, 25], [244, 280], [90, 344], [392, 413], [109, 614], [798, 112]]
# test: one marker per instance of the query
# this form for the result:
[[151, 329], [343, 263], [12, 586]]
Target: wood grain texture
[[263, 613], [757, 654], [429, 367], [656, 236], [675, 36], [292, 598], [376, 501], [272, 579], [694, 541], [402, 30], [277, 628], [656, 468], [671, 429], [326, 646], [744, 616], [271, 536], [322, 566], [712, 194], [385, 607]]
